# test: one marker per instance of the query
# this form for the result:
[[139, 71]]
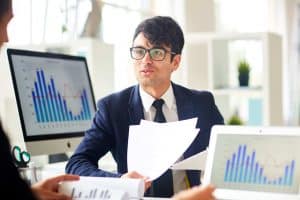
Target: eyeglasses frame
[[148, 51]]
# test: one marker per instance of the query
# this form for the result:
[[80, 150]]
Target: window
[[44, 21], [241, 15], [119, 16], [57, 21]]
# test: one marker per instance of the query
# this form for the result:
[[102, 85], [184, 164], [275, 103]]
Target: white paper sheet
[[195, 162], [154, 147], [103, 188], [190, 123]]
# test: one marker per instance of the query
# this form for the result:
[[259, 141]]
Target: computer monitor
[[54, 97], [254, 162]]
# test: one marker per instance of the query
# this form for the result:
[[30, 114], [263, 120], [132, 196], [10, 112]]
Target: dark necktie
[[162, 187], [159, 115]]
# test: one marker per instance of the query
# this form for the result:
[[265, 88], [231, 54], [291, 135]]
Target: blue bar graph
[[51, 106], [243, 167]]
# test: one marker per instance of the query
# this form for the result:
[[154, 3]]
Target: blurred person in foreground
[[11, 184]]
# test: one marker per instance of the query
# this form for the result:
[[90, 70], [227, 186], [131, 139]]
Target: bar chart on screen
[[55, 98], [257, 163], [50, 105], [244, 168], [55, 94]]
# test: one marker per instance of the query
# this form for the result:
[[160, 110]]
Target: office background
[[218, 34]]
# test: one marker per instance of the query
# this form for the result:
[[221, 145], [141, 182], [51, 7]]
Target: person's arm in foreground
[[196, 193], [48, 188]]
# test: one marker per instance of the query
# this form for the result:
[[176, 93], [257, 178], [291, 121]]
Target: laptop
[[256, 163]]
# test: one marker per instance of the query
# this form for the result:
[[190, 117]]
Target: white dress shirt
[[170, 112]]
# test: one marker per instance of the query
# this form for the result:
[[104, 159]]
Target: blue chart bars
[[51, 106], [92, 194], [243, 168]]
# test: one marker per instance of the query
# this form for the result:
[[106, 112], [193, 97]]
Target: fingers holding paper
[[48, 188], [134, 174]]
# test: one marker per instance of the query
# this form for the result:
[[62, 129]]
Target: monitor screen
[[254, 162], [269, 161], [55, 99]]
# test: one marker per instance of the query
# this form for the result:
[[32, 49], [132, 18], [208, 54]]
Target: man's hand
[[196, 193], [48, 189], [134, 174]]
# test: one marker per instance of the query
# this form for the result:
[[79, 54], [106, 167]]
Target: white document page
[[103, 188], [190, 123], [154, 147], [195, 162]]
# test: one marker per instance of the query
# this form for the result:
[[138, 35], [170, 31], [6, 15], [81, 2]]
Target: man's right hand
[[134, 174]]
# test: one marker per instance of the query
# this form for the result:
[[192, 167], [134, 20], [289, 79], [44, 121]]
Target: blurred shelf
[[239, 91], [210, 62]]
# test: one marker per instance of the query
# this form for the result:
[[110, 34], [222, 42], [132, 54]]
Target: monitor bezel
[[28, 138]]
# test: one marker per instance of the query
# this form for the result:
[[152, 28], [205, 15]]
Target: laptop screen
[[254, 159]]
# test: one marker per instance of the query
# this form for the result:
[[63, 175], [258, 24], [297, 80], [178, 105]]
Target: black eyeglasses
[[157, 54]]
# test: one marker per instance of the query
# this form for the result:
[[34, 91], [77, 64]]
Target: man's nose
[[147, 57]]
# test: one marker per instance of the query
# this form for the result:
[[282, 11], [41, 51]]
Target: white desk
[[51, 170]]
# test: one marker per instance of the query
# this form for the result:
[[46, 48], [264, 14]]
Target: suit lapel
[[184, 104], [135, 107], [186, 110]]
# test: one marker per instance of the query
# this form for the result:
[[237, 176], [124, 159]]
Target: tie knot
[[159, 116], [157, 104]]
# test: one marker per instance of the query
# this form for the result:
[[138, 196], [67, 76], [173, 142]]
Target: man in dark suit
[[156, 54]]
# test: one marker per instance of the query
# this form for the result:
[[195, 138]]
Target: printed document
[[103, 188], [153, 147]]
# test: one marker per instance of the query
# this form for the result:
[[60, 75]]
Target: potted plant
[[243, 70], [235, 120]]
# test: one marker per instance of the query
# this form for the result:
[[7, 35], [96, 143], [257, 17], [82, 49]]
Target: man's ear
[[176, 61]]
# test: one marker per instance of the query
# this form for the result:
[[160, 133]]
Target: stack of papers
[[154, 147]]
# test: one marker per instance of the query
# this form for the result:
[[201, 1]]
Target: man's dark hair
[[162, 30], [4, 7]]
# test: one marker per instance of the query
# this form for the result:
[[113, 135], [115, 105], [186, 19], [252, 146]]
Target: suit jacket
[[116, 112]]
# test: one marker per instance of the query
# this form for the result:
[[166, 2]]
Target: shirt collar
[[147, 99]]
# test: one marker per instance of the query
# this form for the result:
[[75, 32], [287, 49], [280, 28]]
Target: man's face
[[3, 26], [151, 73]]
